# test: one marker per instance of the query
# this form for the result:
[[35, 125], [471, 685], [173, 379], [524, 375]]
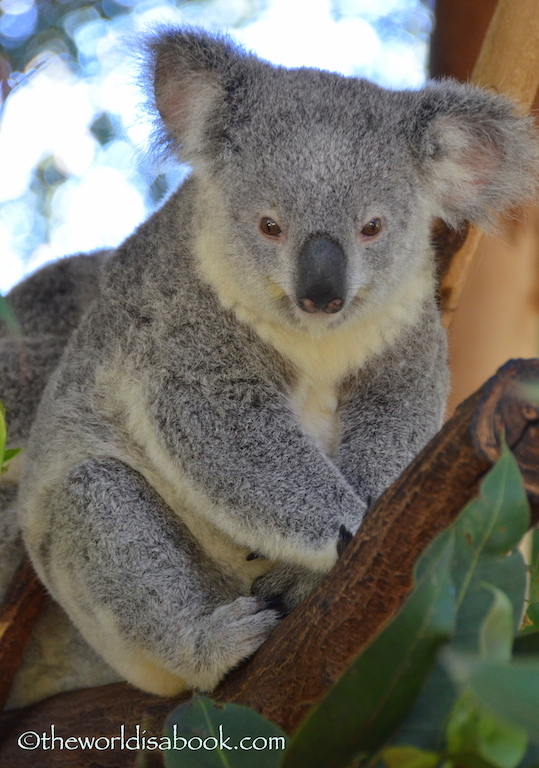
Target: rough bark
[[316, 643], [18, 615]]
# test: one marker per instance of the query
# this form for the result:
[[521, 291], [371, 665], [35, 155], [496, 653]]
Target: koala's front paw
[[234, 632], [291, 582]]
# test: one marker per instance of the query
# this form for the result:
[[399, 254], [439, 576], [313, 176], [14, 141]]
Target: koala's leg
[[139, 588]]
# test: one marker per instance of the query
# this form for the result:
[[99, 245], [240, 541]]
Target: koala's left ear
[[480, 156], [192, 81]]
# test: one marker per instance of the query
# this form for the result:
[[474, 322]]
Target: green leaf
[[410, 757], [474, 733], [488, 528], [509, 690], [369, 701], [11, 453], [458, 725], [206, 734], [532, 615], [496, 520], [496, 634], [531, 758]]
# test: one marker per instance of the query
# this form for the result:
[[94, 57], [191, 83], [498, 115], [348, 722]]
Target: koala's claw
[[253, 555], [277, 603], [345, 537]]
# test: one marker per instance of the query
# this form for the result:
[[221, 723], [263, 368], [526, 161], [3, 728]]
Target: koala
[[261, 358]]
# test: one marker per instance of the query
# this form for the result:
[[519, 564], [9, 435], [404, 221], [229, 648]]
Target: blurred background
[[76, 172]]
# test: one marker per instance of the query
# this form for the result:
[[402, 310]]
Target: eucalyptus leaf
[[474, 733], [496, 520], [509, 690], [410, 757], [486, 532], [532, 615], [11, 453], [367, 703], [206, 734], [496, 634], [531, 758]]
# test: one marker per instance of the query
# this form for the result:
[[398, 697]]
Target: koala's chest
[[315, 402], [320, 366]]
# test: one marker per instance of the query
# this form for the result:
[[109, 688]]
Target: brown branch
[[314, 645], [18, 616]]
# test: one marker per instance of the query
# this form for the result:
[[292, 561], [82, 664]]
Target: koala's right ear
[[195, 77], [480, 155]]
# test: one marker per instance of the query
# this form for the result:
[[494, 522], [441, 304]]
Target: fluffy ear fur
[[195, 77], [482, 156]]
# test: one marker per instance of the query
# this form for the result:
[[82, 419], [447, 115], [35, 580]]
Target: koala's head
[[320, 189]]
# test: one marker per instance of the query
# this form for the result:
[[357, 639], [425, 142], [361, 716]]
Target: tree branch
[[19, 613]]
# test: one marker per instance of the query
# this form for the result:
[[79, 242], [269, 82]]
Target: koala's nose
[[321, 278]]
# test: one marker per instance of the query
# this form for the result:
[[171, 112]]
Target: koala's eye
[[372, 228], [270, 227]]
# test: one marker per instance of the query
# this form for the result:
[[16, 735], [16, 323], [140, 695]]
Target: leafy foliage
[[486, 533], [10, 453], [531, 620], [217, 735]]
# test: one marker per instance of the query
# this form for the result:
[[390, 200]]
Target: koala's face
[[322, 193], [320, 189]]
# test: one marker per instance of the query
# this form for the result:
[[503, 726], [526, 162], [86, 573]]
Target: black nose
[[321, 276]]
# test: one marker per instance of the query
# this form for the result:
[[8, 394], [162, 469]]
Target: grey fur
[[48, 305], [198, 414]]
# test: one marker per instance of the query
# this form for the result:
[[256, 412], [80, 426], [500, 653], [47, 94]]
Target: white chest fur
[[323, 362]]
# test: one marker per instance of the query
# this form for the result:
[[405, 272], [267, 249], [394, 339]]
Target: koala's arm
[[394, 407], [264, 481]]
